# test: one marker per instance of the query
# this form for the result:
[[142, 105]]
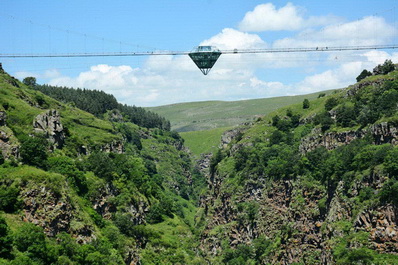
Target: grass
[[201, 142], [22, 107], [196, 116]]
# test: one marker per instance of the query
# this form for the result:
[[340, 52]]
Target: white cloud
[[169, 79], [364, 32], [48, 74], [266, 17], [230, 39], [340, 77]]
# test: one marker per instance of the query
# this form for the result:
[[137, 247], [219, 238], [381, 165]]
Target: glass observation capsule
[[205, 57]]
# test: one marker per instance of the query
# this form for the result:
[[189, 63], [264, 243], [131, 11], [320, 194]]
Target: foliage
[[306, 103], [98, 103], [346, 115], [391, 162], [34, 151], [215, 159], [365, 73], [9, 200], [330, 103], [67, 167], [388, 193], [5, 239], [385, 68], [30, 81], [208, 115], [324, 119], [30, 239]]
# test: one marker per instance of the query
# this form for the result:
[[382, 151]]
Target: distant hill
[[198, 116]]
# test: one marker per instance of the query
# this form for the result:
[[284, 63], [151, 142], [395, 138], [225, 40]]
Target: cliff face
[[49, 124], [382, 133], [9, 145], [322, 202], [103, 187], [304, 218]]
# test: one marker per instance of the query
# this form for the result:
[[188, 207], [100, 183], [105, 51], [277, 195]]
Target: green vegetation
[[145, 182], [201, 142], [270, 152], [308, 183], [198, 116], [99, 103]]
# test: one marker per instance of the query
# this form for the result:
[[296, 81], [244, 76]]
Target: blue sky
[[124, 26]]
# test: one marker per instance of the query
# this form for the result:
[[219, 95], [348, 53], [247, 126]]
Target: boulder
[[49, 123]]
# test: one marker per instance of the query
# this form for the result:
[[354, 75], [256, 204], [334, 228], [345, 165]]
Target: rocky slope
[[103, 185], [327, 200]]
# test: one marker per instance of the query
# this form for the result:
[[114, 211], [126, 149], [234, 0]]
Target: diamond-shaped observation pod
[[205, 57]]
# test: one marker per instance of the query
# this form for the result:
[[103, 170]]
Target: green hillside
[[197, 116], [312, 183], [201, 142], [82, 189]]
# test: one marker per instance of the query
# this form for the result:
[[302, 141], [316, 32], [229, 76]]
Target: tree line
[[99, 103]]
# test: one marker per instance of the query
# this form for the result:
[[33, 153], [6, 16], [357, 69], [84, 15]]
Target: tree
[[306, 104], [1, 158], [385, 68], [5, 239], [365, 73], [30, 81], [34, 151], [31, 239], [331, 103]]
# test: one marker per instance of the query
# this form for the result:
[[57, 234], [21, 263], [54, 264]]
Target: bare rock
[[9, 145], [330, 140], [49, 123], [230, 135], [3, 118], [384, 133], [114, 147]]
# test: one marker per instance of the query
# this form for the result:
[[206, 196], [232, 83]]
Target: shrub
[[389, 191], [346, 115], [34, 151], [67, 167], [31, 239], [365, 73], [331, 103], [5, 239], [391, 162], [385, 68], [306, 104], [9, 201], [29, 81], [324, 120]]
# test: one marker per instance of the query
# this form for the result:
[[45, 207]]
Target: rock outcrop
[[382, 133], [113, 147], [9, 146], [330, 140], [230, 135], [3, 118], [382, 225], [49, 123], [54, 212]]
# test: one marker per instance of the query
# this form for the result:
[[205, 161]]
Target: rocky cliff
[[324, 201]]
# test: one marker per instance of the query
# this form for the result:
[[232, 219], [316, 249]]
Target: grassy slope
[[200, 142], [22, 107], [196, 116]]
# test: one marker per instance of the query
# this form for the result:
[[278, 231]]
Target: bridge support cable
[[235, 51]]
